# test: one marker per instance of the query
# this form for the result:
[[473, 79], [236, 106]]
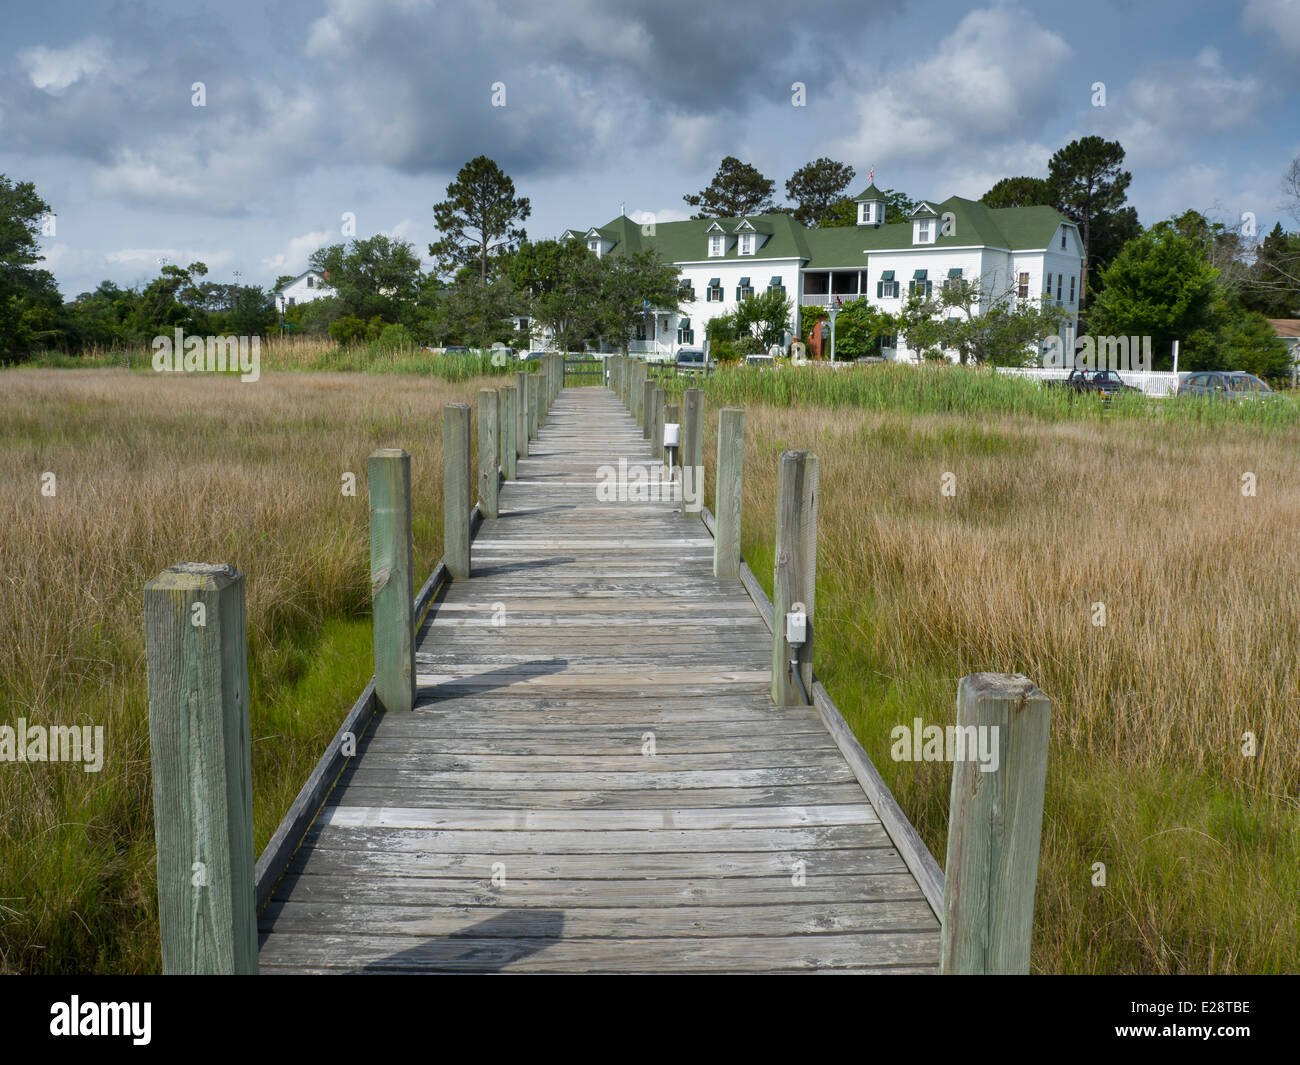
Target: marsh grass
[[1202, 590], [309, 354], [151, 470]]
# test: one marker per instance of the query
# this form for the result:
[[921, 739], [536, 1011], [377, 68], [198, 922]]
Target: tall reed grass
[[150, 470]]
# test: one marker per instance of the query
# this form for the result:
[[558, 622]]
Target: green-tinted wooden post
[[995, 822], [534, 405], [509, 454], [692, 451], [635, 391], [489, 448], [521, 414], [543, 388], [455, 488], [647, 405], [657, 424], [197, 657], [795, 570], [729, 492], [671, 416], [392, 577]]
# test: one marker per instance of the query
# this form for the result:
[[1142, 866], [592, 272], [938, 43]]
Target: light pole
[[832, 310]]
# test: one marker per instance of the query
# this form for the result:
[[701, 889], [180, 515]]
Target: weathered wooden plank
[[547, 949], [615, 855], [387, 760], [602, 742], [355, 791], [602, 780], [596, 820], [424, 892], [754, 919]]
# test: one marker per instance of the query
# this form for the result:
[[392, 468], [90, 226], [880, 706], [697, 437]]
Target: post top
[[195, 576], [389, 453], [1002, 685]]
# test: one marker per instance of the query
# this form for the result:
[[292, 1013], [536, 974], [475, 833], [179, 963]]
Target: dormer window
[[716, 244], [1062, 240], [746, 244], [867, 213], [924, 231], [594, 245]]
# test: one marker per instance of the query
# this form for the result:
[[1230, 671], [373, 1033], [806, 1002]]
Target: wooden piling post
[[729, 492], [197, 656], [522, 388], [392, 573], [657, 424], [647, 405], [489, 448], [795, 570], [636, 390], [995, 822], [456, 488], [692, 455], [534, 400], [508, 402], [543, 388], [672, 416]]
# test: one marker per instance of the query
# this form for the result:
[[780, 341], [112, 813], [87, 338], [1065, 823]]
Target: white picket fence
[[1159, 383]]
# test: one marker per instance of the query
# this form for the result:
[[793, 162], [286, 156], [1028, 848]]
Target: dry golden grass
[[152, 470], [1201, 586]]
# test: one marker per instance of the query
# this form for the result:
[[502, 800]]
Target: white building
[[1027, 252], [307, 286]]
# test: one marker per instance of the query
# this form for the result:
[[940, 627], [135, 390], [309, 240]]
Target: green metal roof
[[869, 193], [843, 247]]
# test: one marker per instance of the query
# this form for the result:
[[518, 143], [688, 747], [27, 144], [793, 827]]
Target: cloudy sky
[[315, 108]]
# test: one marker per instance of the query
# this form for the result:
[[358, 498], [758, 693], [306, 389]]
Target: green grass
[[929, 389], [318, 357]]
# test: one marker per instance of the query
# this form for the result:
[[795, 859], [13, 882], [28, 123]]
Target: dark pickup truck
[[1104, 383]]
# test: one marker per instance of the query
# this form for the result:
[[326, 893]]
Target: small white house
[[307, 286]]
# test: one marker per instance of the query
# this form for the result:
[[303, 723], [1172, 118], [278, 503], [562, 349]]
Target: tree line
[[1205, 282]]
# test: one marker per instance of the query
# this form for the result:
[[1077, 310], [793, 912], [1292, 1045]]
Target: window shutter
[[880, 289]]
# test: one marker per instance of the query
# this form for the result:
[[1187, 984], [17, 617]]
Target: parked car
[[760, 361], [1235, 386], [1104, 383], [456, 349], [531, 356], [691, 360]]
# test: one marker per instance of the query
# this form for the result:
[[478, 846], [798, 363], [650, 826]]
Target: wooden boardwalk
[[594, 778]]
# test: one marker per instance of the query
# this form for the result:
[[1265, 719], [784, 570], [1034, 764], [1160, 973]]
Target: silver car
[[1236, 386]]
